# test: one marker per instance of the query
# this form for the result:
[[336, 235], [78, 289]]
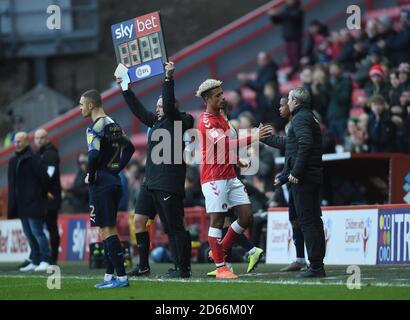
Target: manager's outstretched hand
[[261, 132]]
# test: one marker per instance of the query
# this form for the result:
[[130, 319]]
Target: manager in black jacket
[[28, 184], [165, 168], [303, 163], [49, 153]]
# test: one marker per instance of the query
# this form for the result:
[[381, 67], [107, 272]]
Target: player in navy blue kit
[[109, 151]]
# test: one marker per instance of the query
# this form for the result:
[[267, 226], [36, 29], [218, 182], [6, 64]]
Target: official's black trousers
[[170, 208], [305, 201], [52, 227], [298, 239]]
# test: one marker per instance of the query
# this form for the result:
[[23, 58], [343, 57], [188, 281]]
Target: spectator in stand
[[320, 90], [398, 112], [326, 48], [79, 190], [372, 35], [400, 43], [339, 103], [362, 70], [381, 131], [317, 33], [269, 110], [357, 134], [386, 33], [18, 125], [266, 73], [239, 105], [352, 127], [405, 100], [335, 44], [404, 78], [359, 52], [378, 86], [306, 78], [246, 120], [394, 96], [291, 18], [328, 138], [345, 56], [359, 141], [363, 122]]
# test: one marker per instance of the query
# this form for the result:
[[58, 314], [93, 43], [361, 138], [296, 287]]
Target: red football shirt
[[218, 149]]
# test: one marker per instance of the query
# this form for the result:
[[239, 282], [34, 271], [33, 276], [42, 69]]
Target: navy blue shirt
[[109, 149]]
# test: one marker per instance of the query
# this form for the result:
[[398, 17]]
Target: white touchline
[[284, 282]]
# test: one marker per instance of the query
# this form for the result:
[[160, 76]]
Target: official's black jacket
[[169, 177], [51, 159], [303, 146], [28, 184]]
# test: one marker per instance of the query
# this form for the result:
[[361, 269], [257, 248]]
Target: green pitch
[[266, 283]]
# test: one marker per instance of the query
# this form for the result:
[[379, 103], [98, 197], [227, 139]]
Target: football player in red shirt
[[221, 187]]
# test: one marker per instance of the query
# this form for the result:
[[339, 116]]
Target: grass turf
[[266, 283]]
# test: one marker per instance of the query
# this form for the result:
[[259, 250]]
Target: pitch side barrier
[[362, 235], [76, 234], [359, 235]]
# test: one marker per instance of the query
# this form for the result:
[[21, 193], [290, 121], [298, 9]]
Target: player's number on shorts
[[92, 214]]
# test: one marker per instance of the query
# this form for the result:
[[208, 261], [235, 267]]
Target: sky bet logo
[[124, 31], [137, 27]]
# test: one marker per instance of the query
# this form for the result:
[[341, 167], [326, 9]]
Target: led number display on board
[[139, 45]]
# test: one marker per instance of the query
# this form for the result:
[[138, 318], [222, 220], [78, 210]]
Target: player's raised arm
[[168, 93], [146, 117]]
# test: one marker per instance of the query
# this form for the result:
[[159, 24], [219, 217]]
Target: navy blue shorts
[[104, 201], [144, 203]]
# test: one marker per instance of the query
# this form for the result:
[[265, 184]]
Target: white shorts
[[221, 195]]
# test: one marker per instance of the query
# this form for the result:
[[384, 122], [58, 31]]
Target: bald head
[[21, 141], [40, 138]]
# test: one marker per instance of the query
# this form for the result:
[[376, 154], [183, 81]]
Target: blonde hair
[[207, 86]]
